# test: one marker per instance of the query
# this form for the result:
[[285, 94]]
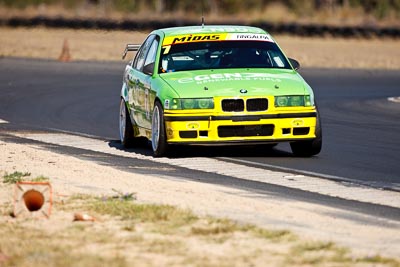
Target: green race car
[[204, 85]]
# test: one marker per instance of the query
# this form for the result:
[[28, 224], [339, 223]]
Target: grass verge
[[17, 176], [128, 233]]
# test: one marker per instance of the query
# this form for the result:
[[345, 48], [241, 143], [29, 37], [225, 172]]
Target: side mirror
[[149, 69], [295, 64]]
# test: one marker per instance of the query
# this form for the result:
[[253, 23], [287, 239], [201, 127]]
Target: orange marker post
[[33, 199]]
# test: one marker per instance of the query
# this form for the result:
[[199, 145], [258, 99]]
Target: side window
[[151, 56], [141, 55], [277, 59]]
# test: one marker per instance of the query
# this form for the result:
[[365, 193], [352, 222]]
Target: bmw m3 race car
[[204, 85]]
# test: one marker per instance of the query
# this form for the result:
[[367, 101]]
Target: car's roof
[[208, 29]]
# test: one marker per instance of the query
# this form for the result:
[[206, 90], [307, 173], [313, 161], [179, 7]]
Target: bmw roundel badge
[[243, 91]]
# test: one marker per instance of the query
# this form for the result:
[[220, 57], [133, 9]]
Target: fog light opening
[[203, 133]]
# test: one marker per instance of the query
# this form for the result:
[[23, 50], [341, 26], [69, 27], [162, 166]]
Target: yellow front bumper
[[288, 125]]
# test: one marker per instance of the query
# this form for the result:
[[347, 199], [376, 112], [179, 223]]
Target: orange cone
[[65, 56], [33, 199]]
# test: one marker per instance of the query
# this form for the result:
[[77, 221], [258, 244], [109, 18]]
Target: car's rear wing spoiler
[[130, 47]]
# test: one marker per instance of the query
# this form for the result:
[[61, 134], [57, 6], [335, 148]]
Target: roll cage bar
[[130, 47]]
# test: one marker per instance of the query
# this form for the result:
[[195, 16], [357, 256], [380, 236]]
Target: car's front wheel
[[158, 137], [309, 148], [126, 134]]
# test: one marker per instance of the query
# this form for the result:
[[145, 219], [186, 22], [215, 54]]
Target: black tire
[[126, 133], [158, 137], [311, 147]]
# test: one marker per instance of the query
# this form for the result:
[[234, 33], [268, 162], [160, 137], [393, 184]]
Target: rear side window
[[151, 55], [141, 55]]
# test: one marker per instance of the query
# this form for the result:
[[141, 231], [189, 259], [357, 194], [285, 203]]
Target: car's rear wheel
[[158, 137], [309, 148], [125, 126]]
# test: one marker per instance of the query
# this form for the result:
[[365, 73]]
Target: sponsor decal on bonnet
[[226, 77]]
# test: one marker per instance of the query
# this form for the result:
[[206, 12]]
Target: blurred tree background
[[283, 10]]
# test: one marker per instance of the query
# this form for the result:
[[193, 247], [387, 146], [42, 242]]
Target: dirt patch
[[83, 44], [343, 53], [125, 241], [109, 45]]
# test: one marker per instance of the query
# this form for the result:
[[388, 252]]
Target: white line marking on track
[[394, 99], [253, 173], [3, 121], [314, 174]]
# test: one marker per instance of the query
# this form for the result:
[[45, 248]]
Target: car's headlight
[[192, 103], [294, 101]]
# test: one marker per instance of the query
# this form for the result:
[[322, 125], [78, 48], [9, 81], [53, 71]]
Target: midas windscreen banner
[[190, 38]]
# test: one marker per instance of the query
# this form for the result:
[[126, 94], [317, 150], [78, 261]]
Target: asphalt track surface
[[361, 128]]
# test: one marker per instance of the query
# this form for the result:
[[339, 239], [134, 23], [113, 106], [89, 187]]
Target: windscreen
[[221, 55]]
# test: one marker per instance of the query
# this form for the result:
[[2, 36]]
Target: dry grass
[[109, 45], [126, 233]]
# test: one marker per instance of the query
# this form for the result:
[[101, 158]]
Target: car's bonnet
[[235, 82]]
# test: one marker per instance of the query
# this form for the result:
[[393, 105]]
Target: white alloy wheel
[[155, 128], [125, 126], [158, 137], [122, 121]]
